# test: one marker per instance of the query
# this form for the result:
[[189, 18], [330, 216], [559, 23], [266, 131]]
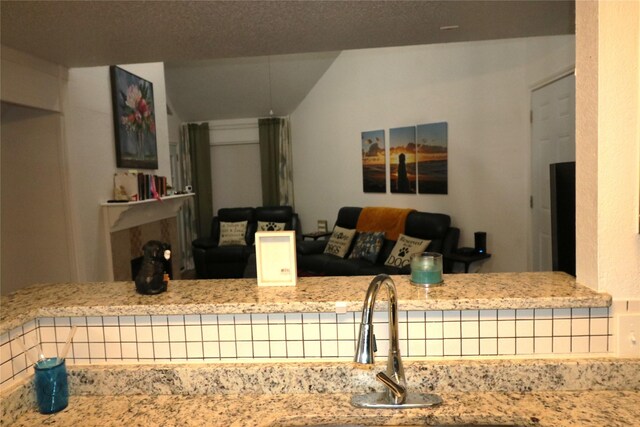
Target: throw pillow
[[404, 249], [232, 233], [271, 226], [368, 246], [339, 242]]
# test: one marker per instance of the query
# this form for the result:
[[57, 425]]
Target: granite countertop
[[543, 409], [312, 294], [534, 392]]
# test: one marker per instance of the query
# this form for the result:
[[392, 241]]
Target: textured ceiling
[[89, 33], [181, 33]]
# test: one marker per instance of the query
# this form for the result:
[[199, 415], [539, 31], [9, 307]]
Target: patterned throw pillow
[[368, 246], [404, 249], [271, 226], [339, 242], [232, 233]]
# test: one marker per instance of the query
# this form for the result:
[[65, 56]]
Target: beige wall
[[35, 232], [608, 146], [30, 81], [35, 223]]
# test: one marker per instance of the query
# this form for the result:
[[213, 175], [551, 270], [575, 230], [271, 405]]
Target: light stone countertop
[[531, 392], [312, 294], [541, 409]]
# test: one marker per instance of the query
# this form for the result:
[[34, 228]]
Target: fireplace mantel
[[120, 216], [123, 216]]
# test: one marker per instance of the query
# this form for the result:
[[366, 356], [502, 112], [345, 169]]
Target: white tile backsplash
[[506, 346], [277, 332], [243, 332], [278, 348], [434, 330], [183, 338], [562, 327]]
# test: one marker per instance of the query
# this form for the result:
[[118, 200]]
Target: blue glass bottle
[[52, 390]]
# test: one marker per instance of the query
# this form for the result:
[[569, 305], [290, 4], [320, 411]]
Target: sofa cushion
[[233, 233], [340, 242], [367, 246], [404, 249], [271, 226]]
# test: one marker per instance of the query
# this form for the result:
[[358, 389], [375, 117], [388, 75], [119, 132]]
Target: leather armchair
[[280, 214], [214, 261], [220, 262]]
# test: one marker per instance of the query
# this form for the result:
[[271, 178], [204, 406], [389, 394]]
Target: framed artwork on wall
[[402, 159], [374, 163], [432, 159], [134, 120]]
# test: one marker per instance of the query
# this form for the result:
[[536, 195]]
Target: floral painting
[[374, 166], [402, 159], [134, 120], [432, 158]]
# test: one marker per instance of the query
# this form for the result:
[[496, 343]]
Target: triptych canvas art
[[417, 160]]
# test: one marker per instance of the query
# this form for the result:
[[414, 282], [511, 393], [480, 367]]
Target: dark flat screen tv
[[563, 216]]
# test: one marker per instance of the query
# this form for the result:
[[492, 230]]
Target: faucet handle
[[398, 391], [375, 344]]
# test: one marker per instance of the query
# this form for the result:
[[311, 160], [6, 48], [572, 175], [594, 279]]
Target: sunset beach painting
[[432, 158], [402, 159], [374, 170]]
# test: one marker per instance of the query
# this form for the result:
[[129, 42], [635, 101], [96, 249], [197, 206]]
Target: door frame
[[549, 79]]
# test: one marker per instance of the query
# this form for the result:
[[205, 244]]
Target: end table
[[466, 258]]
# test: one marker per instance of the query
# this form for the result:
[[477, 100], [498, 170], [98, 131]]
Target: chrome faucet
[[395, 395]]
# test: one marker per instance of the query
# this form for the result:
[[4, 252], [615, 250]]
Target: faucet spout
[[395, 395], [365, 347]]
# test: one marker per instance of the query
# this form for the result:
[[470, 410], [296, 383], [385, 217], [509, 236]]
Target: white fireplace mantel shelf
[[121, 216]]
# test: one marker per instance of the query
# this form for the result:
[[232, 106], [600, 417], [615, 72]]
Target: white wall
[[35, 226], [235, 163], [608, 156], [482, 89], [90, 145]]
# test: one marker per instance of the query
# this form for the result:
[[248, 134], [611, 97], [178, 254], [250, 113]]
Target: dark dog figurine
[[153, 278]]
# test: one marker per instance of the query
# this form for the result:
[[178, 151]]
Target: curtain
[[201, 176], [195, 216], [276, 162], [186, 216]]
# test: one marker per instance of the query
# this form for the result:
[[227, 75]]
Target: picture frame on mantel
[[276, 258], [134, 120]]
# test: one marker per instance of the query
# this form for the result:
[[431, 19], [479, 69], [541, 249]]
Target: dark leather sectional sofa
[[423, 225], [213, 261]]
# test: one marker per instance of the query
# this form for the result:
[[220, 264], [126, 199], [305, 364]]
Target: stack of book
[[131, 186]]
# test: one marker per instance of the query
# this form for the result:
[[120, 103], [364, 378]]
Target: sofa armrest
[[311, 247], [204, 243], [296, 226], [450, 242]]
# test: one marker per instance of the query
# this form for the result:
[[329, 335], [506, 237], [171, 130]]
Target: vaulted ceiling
[[240, 40]]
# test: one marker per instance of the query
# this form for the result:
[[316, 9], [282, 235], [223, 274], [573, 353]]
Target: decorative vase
[[140, 141]]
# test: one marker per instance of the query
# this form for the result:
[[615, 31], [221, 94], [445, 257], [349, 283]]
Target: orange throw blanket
[[389, 220]]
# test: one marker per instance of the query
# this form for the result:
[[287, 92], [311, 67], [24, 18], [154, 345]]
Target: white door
[[553, 117]]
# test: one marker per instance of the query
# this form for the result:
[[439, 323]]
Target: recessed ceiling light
[[449, 27]]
